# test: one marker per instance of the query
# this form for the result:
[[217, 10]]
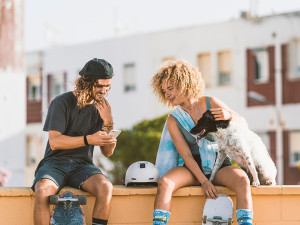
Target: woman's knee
[[242, 184], [165, 184]]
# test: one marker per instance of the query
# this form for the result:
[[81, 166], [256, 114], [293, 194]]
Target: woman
[[178, 83]]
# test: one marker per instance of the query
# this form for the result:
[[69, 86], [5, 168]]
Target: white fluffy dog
[[241, 144]]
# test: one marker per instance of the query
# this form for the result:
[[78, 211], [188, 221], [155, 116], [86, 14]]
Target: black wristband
[[85, 140]]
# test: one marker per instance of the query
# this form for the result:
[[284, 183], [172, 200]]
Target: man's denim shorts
[[66, 172]]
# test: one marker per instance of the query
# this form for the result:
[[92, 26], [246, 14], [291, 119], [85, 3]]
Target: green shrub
[[137, 144]]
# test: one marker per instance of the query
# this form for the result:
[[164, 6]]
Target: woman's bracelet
[[204, 182]]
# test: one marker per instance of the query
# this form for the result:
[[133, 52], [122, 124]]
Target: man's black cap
[[97, 69]]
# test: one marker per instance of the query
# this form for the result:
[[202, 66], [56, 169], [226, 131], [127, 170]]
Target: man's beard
[[98, 98]]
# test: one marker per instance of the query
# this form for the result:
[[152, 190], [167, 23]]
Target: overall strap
[[208, 106]]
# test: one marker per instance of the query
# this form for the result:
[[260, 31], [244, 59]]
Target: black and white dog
[[241, 144]]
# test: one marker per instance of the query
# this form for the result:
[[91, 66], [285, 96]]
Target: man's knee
[[44, 188], [107, 186], [104, 188]]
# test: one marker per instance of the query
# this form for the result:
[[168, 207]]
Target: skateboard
[[218, 211], [67, 210]]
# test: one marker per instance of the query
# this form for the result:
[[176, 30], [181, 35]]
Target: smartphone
[[114, 133]]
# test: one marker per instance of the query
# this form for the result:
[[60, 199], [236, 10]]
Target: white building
[[12, 92], [255, 55], [35, 138]]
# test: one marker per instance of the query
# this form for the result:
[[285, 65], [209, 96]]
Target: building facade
[[253, 65], [12, 92], [34, 135]]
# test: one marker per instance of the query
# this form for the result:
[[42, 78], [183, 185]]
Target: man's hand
[[101, 138], [105, 111]]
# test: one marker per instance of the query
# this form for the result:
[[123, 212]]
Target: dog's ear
[[208, 115]]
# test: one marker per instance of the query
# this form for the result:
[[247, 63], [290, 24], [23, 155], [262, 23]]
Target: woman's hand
[[221, 114], [209, 190], [105, 111]]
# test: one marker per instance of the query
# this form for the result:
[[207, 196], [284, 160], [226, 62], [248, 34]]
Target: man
[[77, 121]]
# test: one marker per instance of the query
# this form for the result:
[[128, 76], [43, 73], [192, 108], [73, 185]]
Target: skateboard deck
[[67, 210], [218, 211]]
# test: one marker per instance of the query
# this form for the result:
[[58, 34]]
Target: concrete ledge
[[134, 205]]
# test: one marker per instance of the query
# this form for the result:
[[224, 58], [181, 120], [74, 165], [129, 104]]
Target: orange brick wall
[[277, 205]]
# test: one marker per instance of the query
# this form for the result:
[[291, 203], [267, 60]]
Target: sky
[[49, 23]]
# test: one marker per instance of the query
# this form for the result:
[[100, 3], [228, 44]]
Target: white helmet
[[141, 172]]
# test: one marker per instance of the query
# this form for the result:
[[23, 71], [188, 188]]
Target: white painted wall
[[12, 125], [148, 50], [236, 36], [127, 108]]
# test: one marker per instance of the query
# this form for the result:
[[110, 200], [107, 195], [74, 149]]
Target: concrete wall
[[276, 205]]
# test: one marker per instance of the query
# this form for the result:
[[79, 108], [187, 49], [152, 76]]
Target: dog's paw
[[255, 183], [270, 182]]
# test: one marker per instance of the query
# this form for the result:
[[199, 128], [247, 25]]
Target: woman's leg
[[237, 180], [174, 179]]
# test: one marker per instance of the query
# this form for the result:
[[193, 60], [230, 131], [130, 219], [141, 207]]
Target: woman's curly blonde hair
[[183, 75], [84, 90]]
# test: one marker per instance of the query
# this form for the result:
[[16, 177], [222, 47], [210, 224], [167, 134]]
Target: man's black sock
[[99, 222]]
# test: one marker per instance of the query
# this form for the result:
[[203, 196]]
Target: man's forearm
[[58, 141], [108, 150]]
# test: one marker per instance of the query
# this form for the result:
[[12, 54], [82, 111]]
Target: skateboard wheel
[[229, 221], [81, 199], [204, 219], [53, 199]]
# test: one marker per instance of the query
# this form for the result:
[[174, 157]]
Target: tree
[[137, 144]]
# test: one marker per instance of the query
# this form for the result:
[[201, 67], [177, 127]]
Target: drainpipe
[[278, 105], [279, 128]]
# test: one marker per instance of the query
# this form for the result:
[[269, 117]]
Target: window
[[34, 88], [294, 147], [129, 77], [34, 144], [30, 157], [204, 65], [224, 67], [56, 83], [261, 64], [294, 59]]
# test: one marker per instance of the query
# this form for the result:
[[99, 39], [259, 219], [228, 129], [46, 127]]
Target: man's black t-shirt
[[65, 116]]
